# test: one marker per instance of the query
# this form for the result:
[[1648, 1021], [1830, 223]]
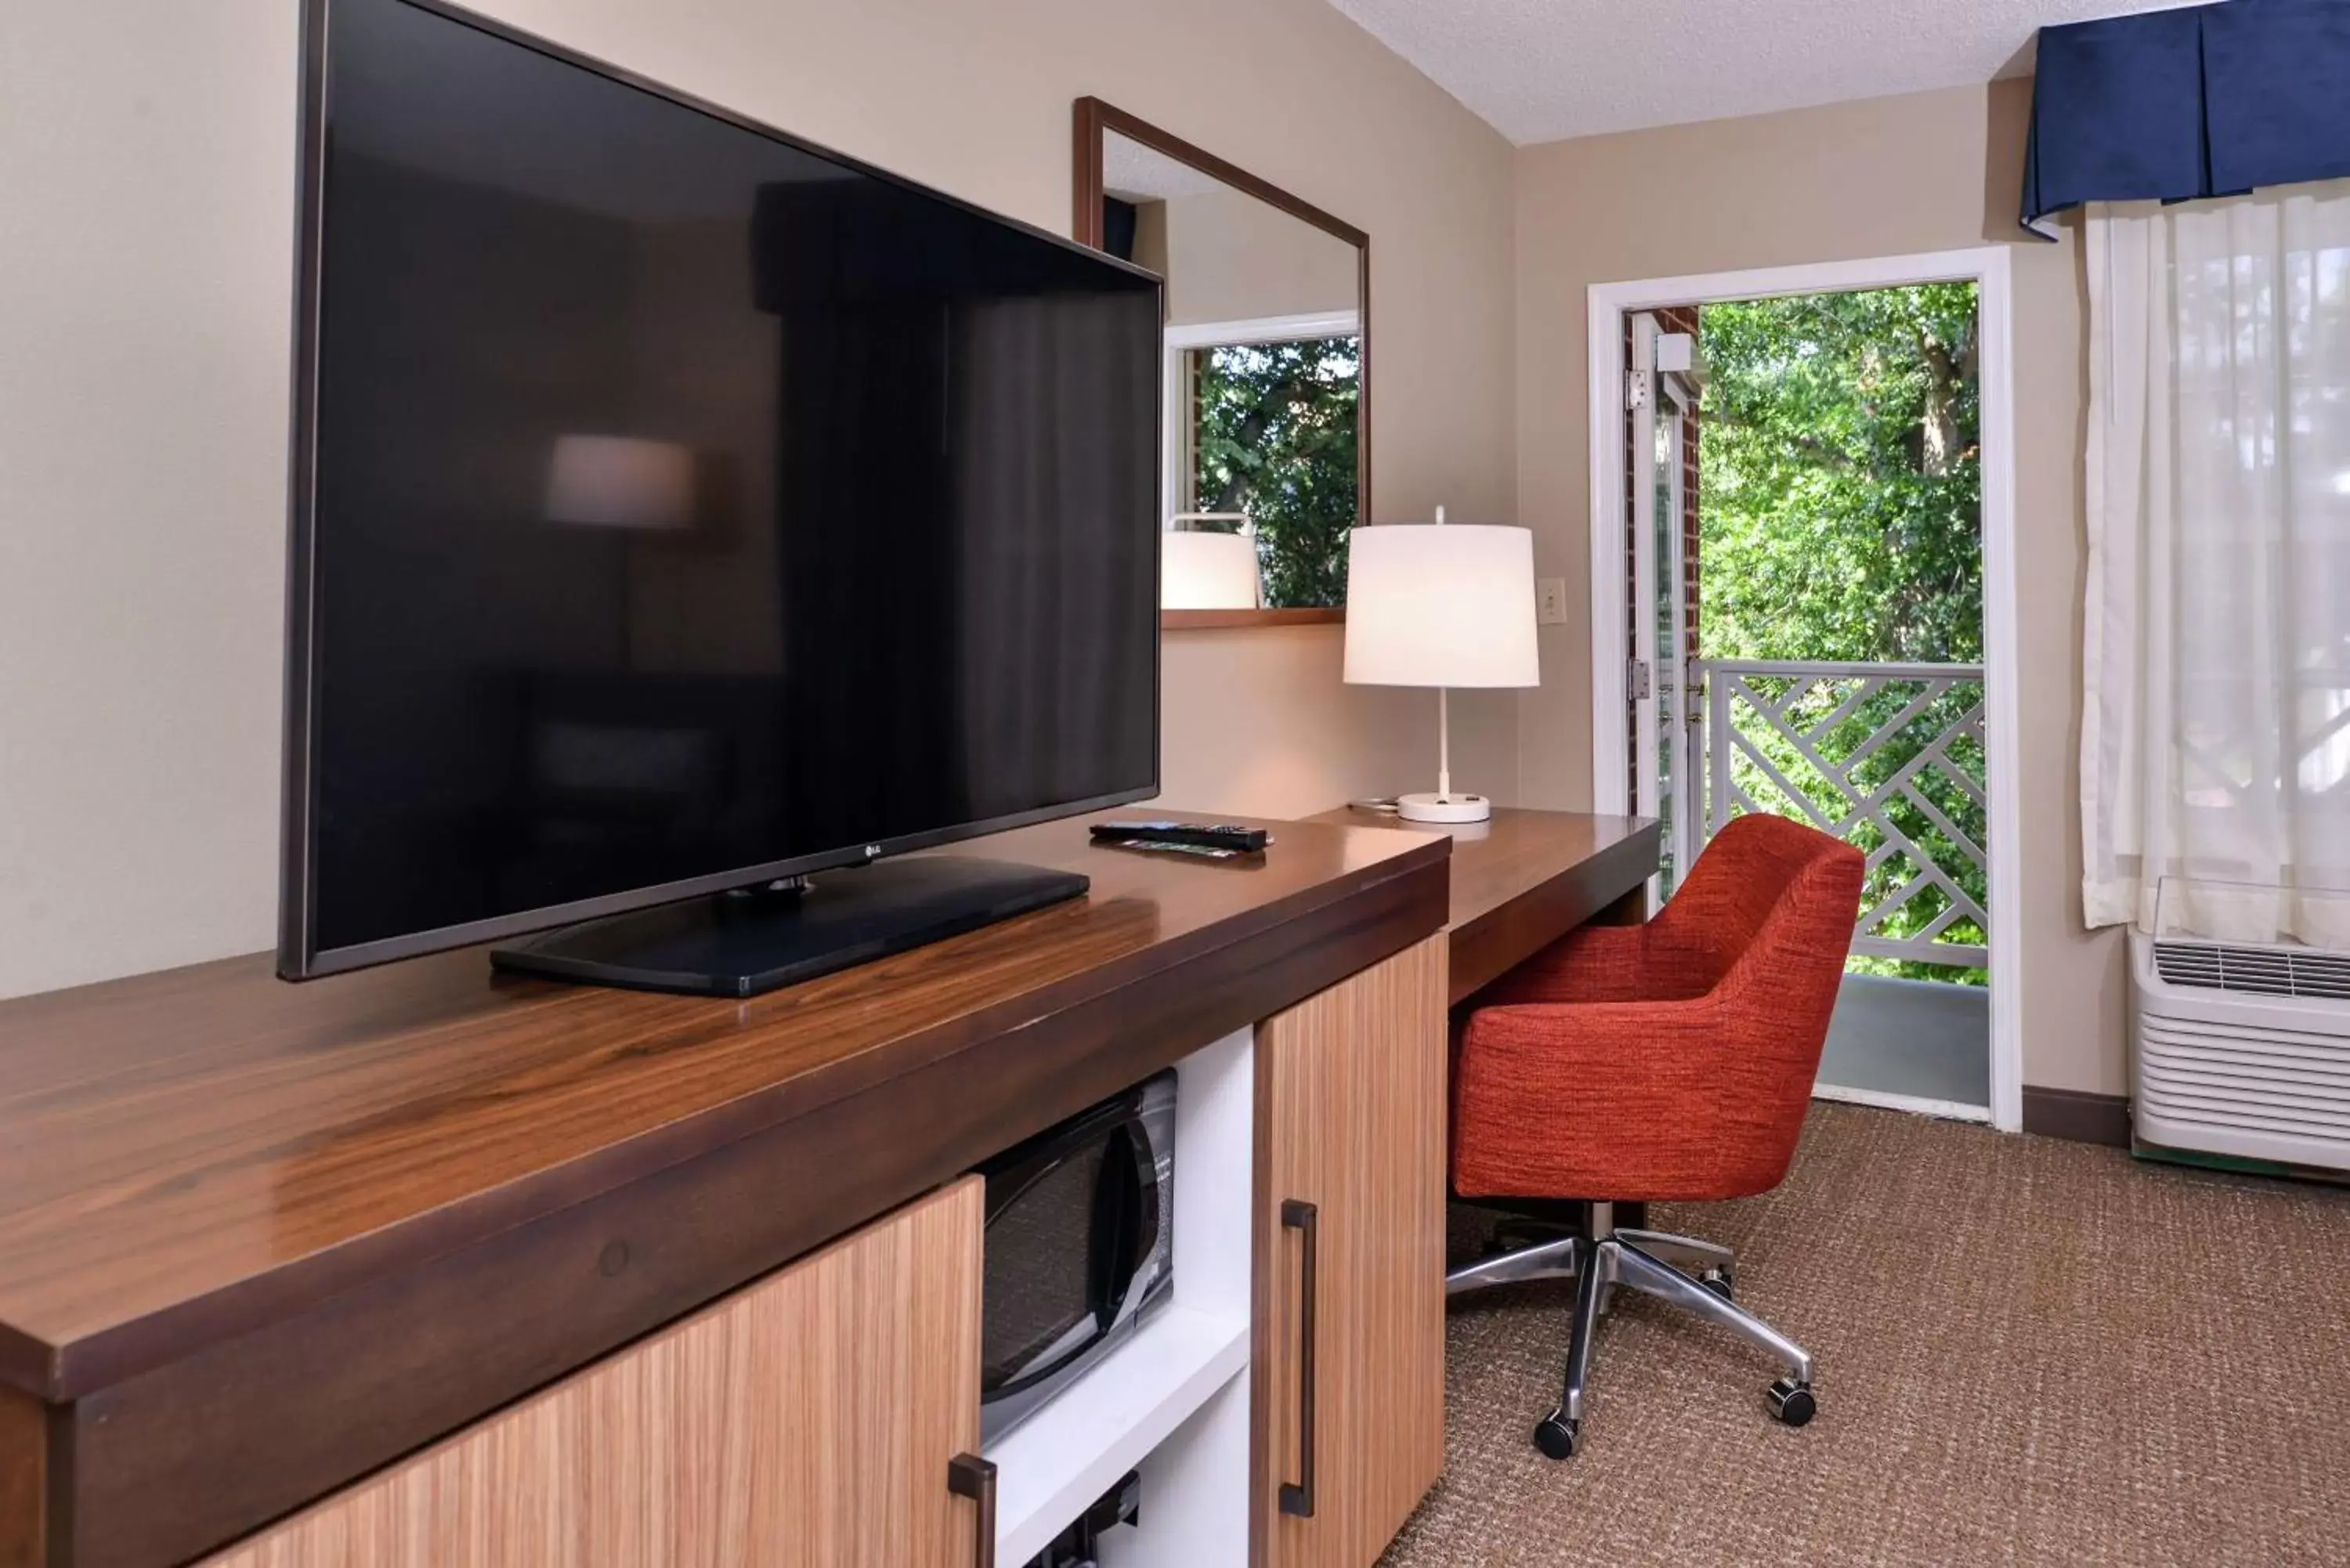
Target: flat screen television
[[679, 509]]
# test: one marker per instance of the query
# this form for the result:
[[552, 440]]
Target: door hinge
[[1636, 390], [1636, 679]]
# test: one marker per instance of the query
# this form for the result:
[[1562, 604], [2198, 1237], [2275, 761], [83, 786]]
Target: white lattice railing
[[1888, 756]]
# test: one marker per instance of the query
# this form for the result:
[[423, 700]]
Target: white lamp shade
[[1207, 571], [620, 481], [1447, 604]]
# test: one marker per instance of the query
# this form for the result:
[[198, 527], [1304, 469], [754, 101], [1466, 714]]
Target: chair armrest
[[1589, 964], [1583, 1100], [1575, 1052]]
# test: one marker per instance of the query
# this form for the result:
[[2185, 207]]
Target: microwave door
[[1125, 1222], [1066, 1245]]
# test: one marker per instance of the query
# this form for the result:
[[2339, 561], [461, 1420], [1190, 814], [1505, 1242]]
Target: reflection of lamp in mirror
[[1203, 570], [1442, 605]]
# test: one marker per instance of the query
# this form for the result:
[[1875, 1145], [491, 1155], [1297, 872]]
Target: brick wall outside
[[1672, 319]]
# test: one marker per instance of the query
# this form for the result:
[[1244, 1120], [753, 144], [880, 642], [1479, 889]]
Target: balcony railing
[[1887, 756]]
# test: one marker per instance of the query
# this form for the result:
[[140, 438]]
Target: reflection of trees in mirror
[[1840, 510], [1273, 436]]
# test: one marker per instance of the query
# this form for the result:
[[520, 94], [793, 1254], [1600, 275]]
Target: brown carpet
[[2029, 1352]]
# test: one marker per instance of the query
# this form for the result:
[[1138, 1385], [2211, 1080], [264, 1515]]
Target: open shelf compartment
[[1191, 1349]]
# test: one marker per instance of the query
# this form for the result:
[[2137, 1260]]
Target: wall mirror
[[1268, 448]]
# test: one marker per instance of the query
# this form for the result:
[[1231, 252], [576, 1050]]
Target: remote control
[[1204, 835], [1161, 847]]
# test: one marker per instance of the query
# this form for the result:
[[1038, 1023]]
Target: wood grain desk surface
[[1524, 878], [185, 1155]]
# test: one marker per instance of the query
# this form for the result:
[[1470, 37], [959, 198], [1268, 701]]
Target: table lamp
[[1433, 604]]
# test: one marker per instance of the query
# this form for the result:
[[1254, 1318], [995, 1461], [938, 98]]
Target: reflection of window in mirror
[[1265, 426], [1265, 369]]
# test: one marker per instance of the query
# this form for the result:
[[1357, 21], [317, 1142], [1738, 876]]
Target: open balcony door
[[1644, 756], [1663, 701]]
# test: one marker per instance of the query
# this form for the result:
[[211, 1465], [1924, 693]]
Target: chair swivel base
[[1637, 1259]]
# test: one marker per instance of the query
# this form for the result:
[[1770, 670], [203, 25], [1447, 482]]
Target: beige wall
[[147, 150], [1290, 750], [1888, 176], [1231, 257]]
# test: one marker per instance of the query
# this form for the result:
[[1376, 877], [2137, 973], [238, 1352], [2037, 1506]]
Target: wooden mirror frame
[[1093, 121]]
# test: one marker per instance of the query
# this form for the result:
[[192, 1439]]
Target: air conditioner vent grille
[[2242, 1051], [2265, 971]]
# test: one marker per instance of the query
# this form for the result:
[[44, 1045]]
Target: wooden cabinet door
[[806, 1420], [1350, 1088]]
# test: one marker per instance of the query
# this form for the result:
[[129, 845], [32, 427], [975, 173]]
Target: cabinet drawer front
[[806, 1420], [1350, 1235]]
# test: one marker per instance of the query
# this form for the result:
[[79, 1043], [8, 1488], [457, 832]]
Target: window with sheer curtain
[[2215, 747]]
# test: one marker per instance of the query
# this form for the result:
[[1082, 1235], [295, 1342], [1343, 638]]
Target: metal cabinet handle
[[970, 1476], [1298, 1500]]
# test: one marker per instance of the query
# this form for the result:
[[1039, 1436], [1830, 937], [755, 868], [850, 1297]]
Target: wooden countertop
[[259, 1238], [1524, 878], [184, 1151], [168, 1138]]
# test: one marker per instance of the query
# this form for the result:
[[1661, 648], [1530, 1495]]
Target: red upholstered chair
[[1670, 1061]]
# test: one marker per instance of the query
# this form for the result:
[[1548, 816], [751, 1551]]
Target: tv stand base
[[740, 944]]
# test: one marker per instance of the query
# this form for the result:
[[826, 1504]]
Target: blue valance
[[2210, 100]]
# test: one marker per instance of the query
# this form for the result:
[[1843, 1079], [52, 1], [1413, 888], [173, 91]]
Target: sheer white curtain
[[2215, 744]]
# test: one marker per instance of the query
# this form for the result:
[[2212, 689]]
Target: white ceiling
[[1542, 70], [1133, 173]]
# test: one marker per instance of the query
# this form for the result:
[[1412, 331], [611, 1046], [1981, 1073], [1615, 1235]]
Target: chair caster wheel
[[1556, 1435], [1791, 1402], [1720, 1281]]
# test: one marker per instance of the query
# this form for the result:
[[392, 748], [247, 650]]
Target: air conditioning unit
[[2241, 1050]]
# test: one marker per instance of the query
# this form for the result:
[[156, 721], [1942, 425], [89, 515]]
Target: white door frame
[[1986, 266], [1663, 651]]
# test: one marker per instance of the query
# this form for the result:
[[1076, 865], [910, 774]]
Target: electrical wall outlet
[[1550, 602]]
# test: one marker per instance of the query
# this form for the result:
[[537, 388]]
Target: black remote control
[[1203, 836]]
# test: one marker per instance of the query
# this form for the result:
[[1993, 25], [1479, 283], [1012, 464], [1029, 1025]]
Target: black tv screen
[[677, 505]]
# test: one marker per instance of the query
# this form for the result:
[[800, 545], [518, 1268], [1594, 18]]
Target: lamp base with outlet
[[1446, 807]]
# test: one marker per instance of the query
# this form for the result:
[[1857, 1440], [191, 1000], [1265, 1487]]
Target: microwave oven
[[1079, 1246]]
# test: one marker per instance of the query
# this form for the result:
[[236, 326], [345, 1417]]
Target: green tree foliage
[[1275, 435], [1840, 481], [1841, 485]]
